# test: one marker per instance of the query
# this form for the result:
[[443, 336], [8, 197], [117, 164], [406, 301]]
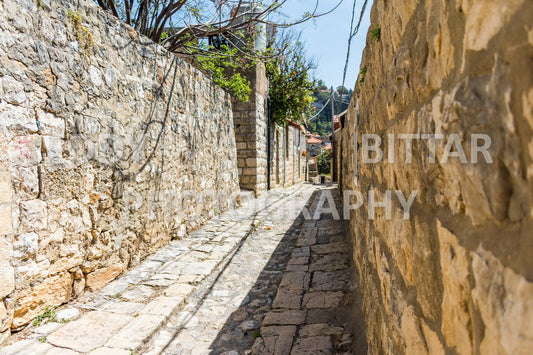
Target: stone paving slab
[[308, 315], [126, 313]]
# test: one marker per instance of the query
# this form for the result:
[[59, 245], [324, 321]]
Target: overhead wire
[[353, 32], [319, 112]]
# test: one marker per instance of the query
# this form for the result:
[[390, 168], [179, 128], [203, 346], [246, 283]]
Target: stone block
[[456, 303], [26, 181], [6, 224], [286, 317], [251, 162], [319, 299], [33, 215], [51, 125], [249, 171], [5, 318], [320, 329], [504, 300], [287, 299], [12, 91], [26, 245], [89, 332], [32, 302], [5, 188], [54, 150], [136, 332], [297, 281], [313, 345], [25, 150], [99, 278], [163, 305], [7, 273]]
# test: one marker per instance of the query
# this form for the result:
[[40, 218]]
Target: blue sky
[[326, 38]]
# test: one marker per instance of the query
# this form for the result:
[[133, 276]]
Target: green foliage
[[290, 87], [221, 64], [256, 334], [49, 315], [321, 124], [375, 34], [363, 74], [324, 162], [83, 35]]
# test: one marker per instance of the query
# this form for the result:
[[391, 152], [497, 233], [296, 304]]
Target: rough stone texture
[[456, 276], [97, 279], [89, 332], [250, 119], [105, 154], [287, 165], [32, 302], [192, 311], [304, 319]]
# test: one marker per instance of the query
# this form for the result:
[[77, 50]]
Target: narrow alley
[[261, 279]]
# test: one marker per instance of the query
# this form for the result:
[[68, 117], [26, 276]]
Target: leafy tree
[[322, 123], [324, 162], [183, 27], [290, 87]]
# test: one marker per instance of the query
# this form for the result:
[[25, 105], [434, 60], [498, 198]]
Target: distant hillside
[[322, 123]]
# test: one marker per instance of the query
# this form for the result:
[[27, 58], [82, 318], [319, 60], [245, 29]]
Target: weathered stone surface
[[448, 70], [6, 225], [456, 312], [319, 329], [25, 150], [33, 215], [5, 318], [134, 334], [5, 188], [287, 299], [289, 317], [99, 278], [323, 299], [106, 351], [67, 314], [163, 305], [89, 332], [32, 302], [295, 281], [313, 345], [505, 303], [80, 166], [35, 347]]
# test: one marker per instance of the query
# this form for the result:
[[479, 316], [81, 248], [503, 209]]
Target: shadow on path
[[306, 299]]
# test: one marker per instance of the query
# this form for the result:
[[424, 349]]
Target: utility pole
[[332, 112], [332, 166]]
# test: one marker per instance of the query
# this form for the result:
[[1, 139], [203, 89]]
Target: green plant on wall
[[375, 33], [362, 74], [83, 35], [221, 64]]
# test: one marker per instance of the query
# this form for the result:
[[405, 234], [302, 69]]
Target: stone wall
[[250, 120], [109, 147], [286, 161], [457, 275]]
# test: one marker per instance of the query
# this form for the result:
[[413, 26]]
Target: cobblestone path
[[260, 279]]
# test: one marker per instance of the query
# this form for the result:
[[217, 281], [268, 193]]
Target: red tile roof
[[314, 140]]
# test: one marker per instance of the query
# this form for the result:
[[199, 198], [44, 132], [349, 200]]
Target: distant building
[[314, 146]]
